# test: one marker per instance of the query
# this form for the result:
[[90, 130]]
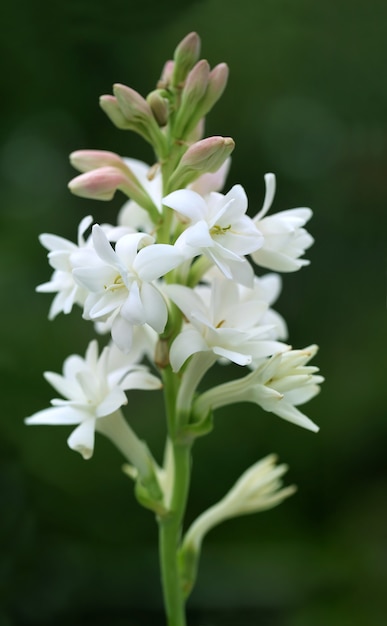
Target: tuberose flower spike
[[173, 284]]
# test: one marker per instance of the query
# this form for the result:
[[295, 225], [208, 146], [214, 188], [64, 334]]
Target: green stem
[[170, 536]]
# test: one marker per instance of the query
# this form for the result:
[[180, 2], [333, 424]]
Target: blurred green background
[[307, 99]]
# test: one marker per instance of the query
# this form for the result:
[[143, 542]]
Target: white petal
[[113, 401], [133, 308], [94, 278], [155, 308], [269, 195], [57, 416], [122, 333], [82, 438], [141, 380], [54, 242], [188, 203], [102, 246], [231, 355], [68, 388], [156, 260], [186, 344]]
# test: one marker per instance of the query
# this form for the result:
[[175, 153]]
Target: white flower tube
[[94, 388], [278, 385], [284, 238]]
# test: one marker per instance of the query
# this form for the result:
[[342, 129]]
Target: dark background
[[307, 99]]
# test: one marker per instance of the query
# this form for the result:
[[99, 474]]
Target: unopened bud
[[166, 75], [193, 92], [130, 111], [87, 160], [102, 183], [196, 84], [159, 106], [109, 105], [205, 156], [208, 154], [185, 57], [133, 106], [99, 184], [217, 82]]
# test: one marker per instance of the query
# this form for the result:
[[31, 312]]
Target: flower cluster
[[177, 281]]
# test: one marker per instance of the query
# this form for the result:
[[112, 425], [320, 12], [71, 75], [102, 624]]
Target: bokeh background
[[307, 99]]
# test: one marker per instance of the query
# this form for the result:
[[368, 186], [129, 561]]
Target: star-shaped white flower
[[225, 319], [134, 216], [61, 258], [122, 288], [259, 488], [94, 388], [285, 239], [64, 256], [278, 384], [218, 227]]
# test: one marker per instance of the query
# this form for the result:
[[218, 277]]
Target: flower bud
[[204, 156], [109, 105], [258, 489], [166, 75], [185, 56], [99, 184], [208, 154], [87, 160], [102, 183], [133, 106], [128, 110], [217, 82], [159, 106], [193, 91]]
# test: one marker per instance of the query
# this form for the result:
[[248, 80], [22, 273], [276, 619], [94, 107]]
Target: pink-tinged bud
[[217, 82], [185, 56], [109, 105], [208, 154], [139, 117], [87, 160], [192, 94], [196, 84], [99, 184], [133, 106], [166, 75], [205, 156], [159, 106]]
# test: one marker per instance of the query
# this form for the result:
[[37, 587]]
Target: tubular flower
[[259, 488], [121, 287], [285, 239], [94, 390], [222, 319], [61, 257], [219, 228], [278, 385]]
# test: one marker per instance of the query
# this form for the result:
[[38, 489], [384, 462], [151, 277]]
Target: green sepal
[[150, 496], [197, 428]]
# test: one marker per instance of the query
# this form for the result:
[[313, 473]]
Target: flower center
[[118, 283], [219, 230]]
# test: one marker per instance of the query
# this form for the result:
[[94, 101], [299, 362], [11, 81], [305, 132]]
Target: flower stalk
[[172, 285]]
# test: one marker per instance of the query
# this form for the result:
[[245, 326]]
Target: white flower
[[64, 256], [94, 388], [121, 286], [259, 488], [135, 216], [61, 258], [223, 319], [278, 385], [219, 228], [285, 239]]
